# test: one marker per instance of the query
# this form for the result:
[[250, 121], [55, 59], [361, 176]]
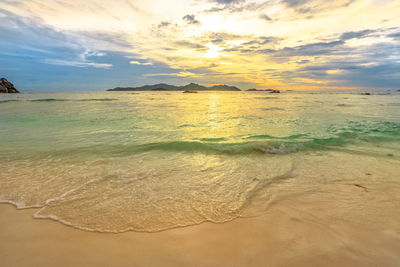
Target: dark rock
[[365, 93], [7, 87], [361, 186], [275, 92], [189, 92], [261, 90]]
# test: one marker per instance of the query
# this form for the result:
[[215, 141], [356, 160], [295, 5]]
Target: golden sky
[[293, 44]]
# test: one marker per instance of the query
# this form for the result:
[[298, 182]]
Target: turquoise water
[[150, 161]]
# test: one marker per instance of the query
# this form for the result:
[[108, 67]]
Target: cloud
[[228, 2], [312, 7], [313, 49], [265, 17], [135, 62], [295, 3], [191, 19], [43, 43], [353, 35], [188, 44], [238, 6], [164, 24], [262, 40], [395, 35], [217, 41], [79, 64], [377, 70]]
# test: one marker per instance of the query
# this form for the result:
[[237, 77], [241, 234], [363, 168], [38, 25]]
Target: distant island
[[260, 90], [188, 87], [273, 91], [7, 87]]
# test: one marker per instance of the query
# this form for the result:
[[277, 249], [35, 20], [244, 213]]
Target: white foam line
[[131, 229], [19, 205], [49, 201], [22, 205]]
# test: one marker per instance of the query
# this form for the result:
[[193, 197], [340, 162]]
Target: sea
[[153, 161]]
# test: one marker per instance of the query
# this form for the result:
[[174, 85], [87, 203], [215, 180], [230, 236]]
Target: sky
[[280, 44]]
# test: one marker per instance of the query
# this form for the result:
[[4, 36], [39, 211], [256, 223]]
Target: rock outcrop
[[260, 90], [275, 92], [7, 87]]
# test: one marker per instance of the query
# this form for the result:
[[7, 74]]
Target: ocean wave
[[266, 144], [48, 100], [266, 136], [8, 101], [273, 109], [213, 139], [344, 105], [98, 99], [266, 97]]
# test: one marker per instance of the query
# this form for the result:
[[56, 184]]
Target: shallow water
[[150, 161]]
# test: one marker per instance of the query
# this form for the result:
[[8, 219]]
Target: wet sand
[[288, 234]]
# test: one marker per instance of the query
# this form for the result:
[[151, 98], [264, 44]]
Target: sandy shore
[[276, 238]]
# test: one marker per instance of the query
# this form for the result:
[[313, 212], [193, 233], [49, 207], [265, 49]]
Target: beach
[[338, 223], [288, 234]]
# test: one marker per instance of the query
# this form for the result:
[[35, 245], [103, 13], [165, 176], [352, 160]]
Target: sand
[[288, 234]]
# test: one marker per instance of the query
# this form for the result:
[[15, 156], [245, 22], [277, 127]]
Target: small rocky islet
[[7, 87]]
